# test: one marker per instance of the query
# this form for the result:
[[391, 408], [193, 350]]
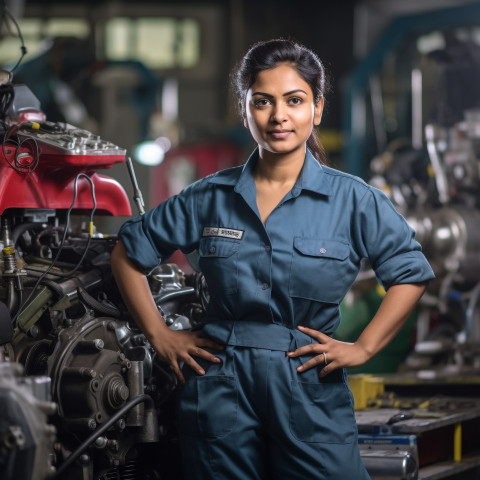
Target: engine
[[438, 190], [86, 395]]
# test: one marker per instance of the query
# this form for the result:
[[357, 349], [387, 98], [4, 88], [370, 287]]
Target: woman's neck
[[278, 168]]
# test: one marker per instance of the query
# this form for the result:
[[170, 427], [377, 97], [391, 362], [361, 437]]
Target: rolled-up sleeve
[[153, 237], [389, 243]]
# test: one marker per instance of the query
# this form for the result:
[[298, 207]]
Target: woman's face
[[280, 110]]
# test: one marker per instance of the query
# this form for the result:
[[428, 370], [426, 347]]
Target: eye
[[262, 102], [295, 100]]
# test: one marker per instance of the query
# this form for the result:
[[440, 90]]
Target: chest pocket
[[320, 269], [219, 264]]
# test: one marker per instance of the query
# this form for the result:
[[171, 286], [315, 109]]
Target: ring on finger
[[324, 358]]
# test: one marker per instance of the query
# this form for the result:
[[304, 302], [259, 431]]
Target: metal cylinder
[[8, 254], [136, 417], [390, 465]]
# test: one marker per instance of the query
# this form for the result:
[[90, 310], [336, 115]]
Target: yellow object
[[365, 389], [457, 443], [35, 125], [380, 291]]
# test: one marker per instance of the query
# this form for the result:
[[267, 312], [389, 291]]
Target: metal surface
[[26, 436]]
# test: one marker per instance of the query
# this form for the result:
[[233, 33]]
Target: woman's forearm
[[395, 309], [174, 347]]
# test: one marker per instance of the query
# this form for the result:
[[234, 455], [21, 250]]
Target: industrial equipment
[[422, 113], [83, 394]]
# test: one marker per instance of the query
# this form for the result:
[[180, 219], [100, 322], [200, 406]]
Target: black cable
[[23, 48], [62, 243], [92, 302], [128, 406]]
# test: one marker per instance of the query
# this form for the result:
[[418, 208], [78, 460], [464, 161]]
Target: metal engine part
[[390, 464], [438, 191], [26, 436], [91, 380], [75, 331], [450, 237]]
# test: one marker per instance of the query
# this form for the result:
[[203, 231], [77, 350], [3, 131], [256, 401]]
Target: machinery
[[437, 188], [82, 387], [424, 145]]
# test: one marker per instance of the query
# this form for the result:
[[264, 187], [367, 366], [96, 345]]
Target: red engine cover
[[50, 185]]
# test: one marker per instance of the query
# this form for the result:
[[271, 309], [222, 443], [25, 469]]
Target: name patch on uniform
[[222, 232]]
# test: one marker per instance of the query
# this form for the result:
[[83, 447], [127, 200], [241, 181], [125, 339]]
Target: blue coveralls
[[254, 417]]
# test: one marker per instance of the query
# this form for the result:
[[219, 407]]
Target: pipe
[[175, 294], [441, 180]]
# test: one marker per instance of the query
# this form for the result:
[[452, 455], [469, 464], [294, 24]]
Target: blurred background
[[153, 76]]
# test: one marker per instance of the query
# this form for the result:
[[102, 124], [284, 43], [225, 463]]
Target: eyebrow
[[263, 94]]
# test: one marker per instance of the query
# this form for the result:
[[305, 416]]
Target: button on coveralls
[[253, 416]]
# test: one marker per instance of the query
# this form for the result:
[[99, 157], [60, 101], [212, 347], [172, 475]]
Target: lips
[[279, 134]]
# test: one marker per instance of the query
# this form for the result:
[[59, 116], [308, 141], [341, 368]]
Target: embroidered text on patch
[[222, 232]]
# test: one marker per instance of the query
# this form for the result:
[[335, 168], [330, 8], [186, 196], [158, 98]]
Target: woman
[[280, 239]]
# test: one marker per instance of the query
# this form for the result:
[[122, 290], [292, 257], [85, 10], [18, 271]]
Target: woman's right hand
[[177, 346]]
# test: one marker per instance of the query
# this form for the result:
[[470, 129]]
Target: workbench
[[441, 432]]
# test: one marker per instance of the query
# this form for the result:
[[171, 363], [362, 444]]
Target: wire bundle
[[23, 148], [62, 243]]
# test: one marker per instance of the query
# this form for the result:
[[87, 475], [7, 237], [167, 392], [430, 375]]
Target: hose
[[22, 228], [92, 302], [52, 285]]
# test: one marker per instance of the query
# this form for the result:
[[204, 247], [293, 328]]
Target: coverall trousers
[[254, 417]]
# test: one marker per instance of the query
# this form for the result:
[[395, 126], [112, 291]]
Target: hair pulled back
[[269, 54]]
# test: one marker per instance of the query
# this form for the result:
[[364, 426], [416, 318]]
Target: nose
[[279, 113]]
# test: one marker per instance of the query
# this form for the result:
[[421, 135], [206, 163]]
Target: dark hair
[[269, 54]]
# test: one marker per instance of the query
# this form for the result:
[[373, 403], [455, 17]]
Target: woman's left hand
[[396, 307], [337, 354]]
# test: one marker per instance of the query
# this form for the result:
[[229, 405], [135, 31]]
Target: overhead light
[[149, 153]]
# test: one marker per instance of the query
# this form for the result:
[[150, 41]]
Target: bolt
[[101, 442], [34, 331]]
